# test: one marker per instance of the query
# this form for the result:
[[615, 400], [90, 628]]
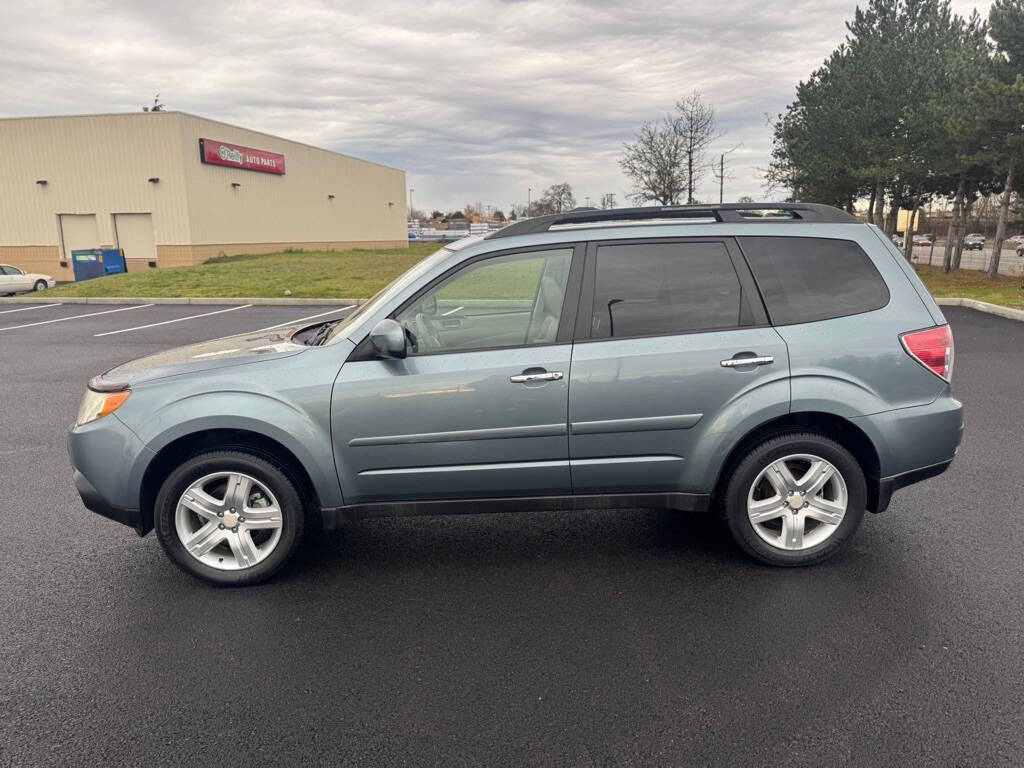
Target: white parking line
[[75, 317], [26, 309], [303, 319], [168, 322]]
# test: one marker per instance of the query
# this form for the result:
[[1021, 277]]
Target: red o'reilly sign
[[236, 156]]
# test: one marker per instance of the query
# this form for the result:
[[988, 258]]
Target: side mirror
[[388, 339]]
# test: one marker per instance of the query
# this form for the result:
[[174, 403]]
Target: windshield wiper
[[322, 333]]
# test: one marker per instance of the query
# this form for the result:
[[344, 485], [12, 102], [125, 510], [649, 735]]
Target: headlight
[[96, 405]]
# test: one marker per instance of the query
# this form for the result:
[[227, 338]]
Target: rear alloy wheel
[[795, 499], [229, 517], [40, 285]]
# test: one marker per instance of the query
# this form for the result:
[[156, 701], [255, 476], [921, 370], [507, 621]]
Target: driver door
[[479, 407]]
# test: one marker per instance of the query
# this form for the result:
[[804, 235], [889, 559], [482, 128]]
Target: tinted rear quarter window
[[804, 279], [651, 289]]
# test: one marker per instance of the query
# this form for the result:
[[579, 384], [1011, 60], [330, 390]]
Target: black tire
[[265, 471], [40, 285], [750, 466]]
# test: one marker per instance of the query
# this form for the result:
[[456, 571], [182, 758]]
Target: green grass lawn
[[972, 284], [361, 273], [351, 274]]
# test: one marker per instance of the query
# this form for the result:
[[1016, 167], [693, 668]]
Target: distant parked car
[[14, 280], [1020, 250], [922, 239], [974, 242], [1017, 240]]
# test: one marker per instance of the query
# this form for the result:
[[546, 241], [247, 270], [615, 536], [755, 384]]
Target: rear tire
[[205, 502], [775, 511]]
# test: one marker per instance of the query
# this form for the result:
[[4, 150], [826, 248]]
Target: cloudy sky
[[477, 100]]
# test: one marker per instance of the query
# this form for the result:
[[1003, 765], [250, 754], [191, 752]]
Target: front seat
[[544, 323]]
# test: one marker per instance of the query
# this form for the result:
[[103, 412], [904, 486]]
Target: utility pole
[[528, 191], [689, 177], [721, 179], [411, 190], [721, 172]]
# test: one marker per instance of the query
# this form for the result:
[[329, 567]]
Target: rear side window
[[804, 279], [652, 289]]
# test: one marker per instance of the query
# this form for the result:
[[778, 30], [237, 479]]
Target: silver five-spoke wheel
[[797, 502], [228, 521]]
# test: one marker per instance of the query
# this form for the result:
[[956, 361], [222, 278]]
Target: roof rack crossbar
[[728, 213]]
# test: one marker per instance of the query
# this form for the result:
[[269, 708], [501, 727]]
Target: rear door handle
[[527, 378], [736, 362]]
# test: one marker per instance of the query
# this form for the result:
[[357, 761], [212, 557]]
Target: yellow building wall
[[100, 164]]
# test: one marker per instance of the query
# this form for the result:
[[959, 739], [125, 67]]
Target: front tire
[[795, 499], [40, 285], [229, 517]]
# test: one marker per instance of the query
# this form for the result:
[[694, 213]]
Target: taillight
[[932, 348]]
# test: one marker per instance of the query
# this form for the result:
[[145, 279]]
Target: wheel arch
[[838, 428], [181, 448]]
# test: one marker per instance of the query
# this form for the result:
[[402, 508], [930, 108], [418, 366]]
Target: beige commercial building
[[172, 189]]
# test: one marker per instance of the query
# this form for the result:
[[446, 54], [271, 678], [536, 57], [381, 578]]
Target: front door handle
[[737, 362], [529, 378]]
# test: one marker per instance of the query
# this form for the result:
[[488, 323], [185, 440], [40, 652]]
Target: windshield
[[341, 329]]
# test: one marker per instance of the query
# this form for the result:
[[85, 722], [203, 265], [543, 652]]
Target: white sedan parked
[[14, 280]]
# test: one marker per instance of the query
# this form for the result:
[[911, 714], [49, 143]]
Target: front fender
[[301, 425]]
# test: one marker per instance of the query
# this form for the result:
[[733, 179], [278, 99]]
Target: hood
[[206, 355]]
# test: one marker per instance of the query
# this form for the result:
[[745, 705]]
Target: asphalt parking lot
[[605, 638]]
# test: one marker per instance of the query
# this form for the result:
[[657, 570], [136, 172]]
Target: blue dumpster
[[97, 262]]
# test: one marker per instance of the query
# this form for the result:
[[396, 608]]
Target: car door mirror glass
[[388, 339]]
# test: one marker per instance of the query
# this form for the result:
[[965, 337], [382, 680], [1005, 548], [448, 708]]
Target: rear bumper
[[913, 444], [887, 486], [96, 502]]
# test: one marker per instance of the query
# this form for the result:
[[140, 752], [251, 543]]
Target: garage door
[[77, 231], [134, 232]]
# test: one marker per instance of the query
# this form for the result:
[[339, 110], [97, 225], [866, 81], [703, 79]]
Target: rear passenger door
[[672, 344]]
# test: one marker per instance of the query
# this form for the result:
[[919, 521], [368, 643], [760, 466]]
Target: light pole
[[528, 191], [411, 190]]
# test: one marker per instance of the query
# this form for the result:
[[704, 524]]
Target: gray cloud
[[476, 101]]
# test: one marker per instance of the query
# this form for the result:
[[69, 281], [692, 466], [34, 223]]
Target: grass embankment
[[361, 273], [973, 284], [351, 274]]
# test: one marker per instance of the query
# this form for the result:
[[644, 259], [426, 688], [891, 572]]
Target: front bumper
[[107, 459], [96, 502]]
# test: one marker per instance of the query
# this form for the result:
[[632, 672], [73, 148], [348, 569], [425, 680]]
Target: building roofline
[[204, 119]]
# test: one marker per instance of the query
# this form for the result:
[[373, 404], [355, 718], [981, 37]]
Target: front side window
[[5, 270], [506, 301], [653, 289]]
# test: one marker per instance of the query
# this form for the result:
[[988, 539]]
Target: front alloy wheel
[[229, 516], [228, 520]]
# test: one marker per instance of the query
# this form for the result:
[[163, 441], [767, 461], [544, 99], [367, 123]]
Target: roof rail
[[730, 213]]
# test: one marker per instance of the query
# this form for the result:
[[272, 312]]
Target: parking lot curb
[[292, 302], [983, 306]]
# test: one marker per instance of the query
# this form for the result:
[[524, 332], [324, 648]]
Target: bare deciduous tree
[[556, 199], [669, 158], [656, 163], [695, 122]]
